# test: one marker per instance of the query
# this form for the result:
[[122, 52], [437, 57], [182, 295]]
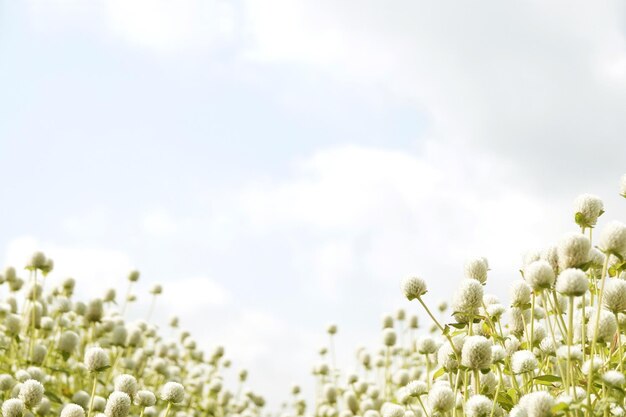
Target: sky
[[280, 165]]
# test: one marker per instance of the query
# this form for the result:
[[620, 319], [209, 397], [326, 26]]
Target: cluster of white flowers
[[556, 348], [70, 358]]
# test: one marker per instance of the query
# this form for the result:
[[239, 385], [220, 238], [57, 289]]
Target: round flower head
[[417, 388], [31, 393], [38, 261], [173, 392], [476, 352], [477, 269], [81, 398], [413, 287], [537, 404], [446, 358], [592, 365], [96, 359], [587, 209], [145, 398], [392, 410], [523, 361], [126, 383], [426, 344], [573, 250], [389, 337], [467, 299], [13, 407], [441, 398], [539, 275], [133, 276], [72, 410], [118, 405], [572, 282], [478, 406], [613, 239], [156, 289], [606, 327], [68, 341], [520, 293], [614, 298], [614, 379], [6, 382], [387, 321]]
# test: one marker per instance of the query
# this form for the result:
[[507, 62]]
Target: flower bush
[[62, 356], [555, 348]]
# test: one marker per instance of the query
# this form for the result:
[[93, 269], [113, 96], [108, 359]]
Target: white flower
[[31, 393], [478, 406], [145, 398], [126, 383], [573, 250], [13, 407], [389, 337], [539, 275], [173, 392], [467, 299], [572, 282], [613, 239], [417, 388], [614, 298], [592, 365], [446, 358], [587, 209], [68, 341], [118, 405], [413, 287], [574, 353], [72, 410], [520, 293], [441, 398], [476, 352], [96, 359], [392, 410], [477, 268], [607, 326], [426, 345], [622, 186], [614, 378], [523, 361], [537, 404]]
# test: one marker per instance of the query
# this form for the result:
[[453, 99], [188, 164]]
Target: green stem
[[93, 393]]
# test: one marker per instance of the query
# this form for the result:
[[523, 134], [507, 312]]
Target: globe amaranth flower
[[613, 239], [72, 410], [587, 209], [441, 398], [572, 282], [96, 359], [413, 287], [614, 298], [118, 405], [476, 268], [478, 406], [537, 404], [13, 407], [573, 250], [539, 275], [476, 352], [173, 392], [31, 393], [523, 361], [467, 299]]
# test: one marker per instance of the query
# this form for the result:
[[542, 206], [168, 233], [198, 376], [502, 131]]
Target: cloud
[[541, 84], [186, 295], [158, 223]]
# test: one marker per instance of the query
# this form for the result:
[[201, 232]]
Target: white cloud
[[159, 223], [166, 25], [184, 296]]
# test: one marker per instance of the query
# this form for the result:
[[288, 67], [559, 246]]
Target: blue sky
[[280, 165]]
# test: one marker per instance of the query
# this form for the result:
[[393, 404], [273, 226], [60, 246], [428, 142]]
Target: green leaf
[[548, 378], [560, 407], [439, 373]]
